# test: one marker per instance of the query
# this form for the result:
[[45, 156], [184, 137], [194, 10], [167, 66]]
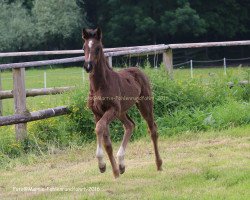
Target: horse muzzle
[[88, 66]]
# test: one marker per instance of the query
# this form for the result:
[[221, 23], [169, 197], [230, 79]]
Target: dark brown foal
[[111, 95]]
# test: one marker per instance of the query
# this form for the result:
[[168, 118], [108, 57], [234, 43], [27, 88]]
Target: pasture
[[204, 141], [212, 165]]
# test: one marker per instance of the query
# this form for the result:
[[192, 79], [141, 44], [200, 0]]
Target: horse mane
[[106, 59], [107, 64]]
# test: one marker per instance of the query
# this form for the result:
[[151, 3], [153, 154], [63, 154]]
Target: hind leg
[[146, 110], [128, 126]]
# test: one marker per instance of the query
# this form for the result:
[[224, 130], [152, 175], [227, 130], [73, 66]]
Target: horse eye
[[97, 50]]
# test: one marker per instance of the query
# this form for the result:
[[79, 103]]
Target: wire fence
[[47, 78], [219, 63], [54, 77]]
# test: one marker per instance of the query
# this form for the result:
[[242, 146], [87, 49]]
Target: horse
[[111, 95]]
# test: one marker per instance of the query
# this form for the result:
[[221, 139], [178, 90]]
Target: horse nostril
[[85, 64], [88, 66]]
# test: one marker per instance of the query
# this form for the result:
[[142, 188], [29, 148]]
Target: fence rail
[[37, 115], [209, 44], [64, 52], [147, 50], [224, 61], [8, 94], [19, 93]]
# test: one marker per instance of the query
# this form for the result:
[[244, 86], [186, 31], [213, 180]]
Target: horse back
[[138, 76]]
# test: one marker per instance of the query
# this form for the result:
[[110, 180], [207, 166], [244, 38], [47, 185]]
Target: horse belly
[[129, 98], [127, 103], [130, 92]]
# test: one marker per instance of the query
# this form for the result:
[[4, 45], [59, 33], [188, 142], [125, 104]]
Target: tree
[[129, 22], [136, 22], [16, 27], [121, 18], [183, 22], [225, 19], [58, 23], [35, 24]]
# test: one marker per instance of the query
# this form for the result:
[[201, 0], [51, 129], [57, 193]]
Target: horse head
[[92, 47]]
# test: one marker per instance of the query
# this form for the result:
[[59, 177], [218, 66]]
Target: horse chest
[[99, 104]]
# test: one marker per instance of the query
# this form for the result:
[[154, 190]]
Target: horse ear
[[85, 34], [98, 33]]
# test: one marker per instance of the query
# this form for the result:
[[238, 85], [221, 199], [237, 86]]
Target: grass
[[74, 76], [203, 103], [35, 79], [211, 165], [197, 165]]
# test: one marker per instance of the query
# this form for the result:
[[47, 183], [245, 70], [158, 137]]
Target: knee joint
[[100, 127], [130, 127]]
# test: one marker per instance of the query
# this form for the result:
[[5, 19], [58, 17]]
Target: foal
[[111, 95]]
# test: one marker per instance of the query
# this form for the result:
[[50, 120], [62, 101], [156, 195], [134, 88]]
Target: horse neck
[[100, 73]]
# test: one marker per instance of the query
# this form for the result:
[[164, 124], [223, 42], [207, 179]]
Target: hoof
[[103, 168], [121, 169], [159, 165], [159, 168]]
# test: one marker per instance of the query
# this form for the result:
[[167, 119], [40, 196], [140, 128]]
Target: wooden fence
[[19, 92]]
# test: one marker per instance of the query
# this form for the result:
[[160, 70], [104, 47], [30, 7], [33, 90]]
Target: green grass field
[[197, 164], [212, 165]]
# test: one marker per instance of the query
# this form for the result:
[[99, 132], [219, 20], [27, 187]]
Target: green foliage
[[17, 27], [180, 106], [223, 17], [57, 22], [160, 21], [81, 120], [50, 24], [183, 21], [46, 24]]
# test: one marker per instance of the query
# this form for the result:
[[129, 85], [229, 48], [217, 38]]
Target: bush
[[179, 106]]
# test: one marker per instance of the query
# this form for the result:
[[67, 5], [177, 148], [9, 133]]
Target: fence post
[[129, 62], [191, 68], [110, 61], [155, 60], [1, 103], [225, 66], [168, 62], [19, 94], [45, 79]]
